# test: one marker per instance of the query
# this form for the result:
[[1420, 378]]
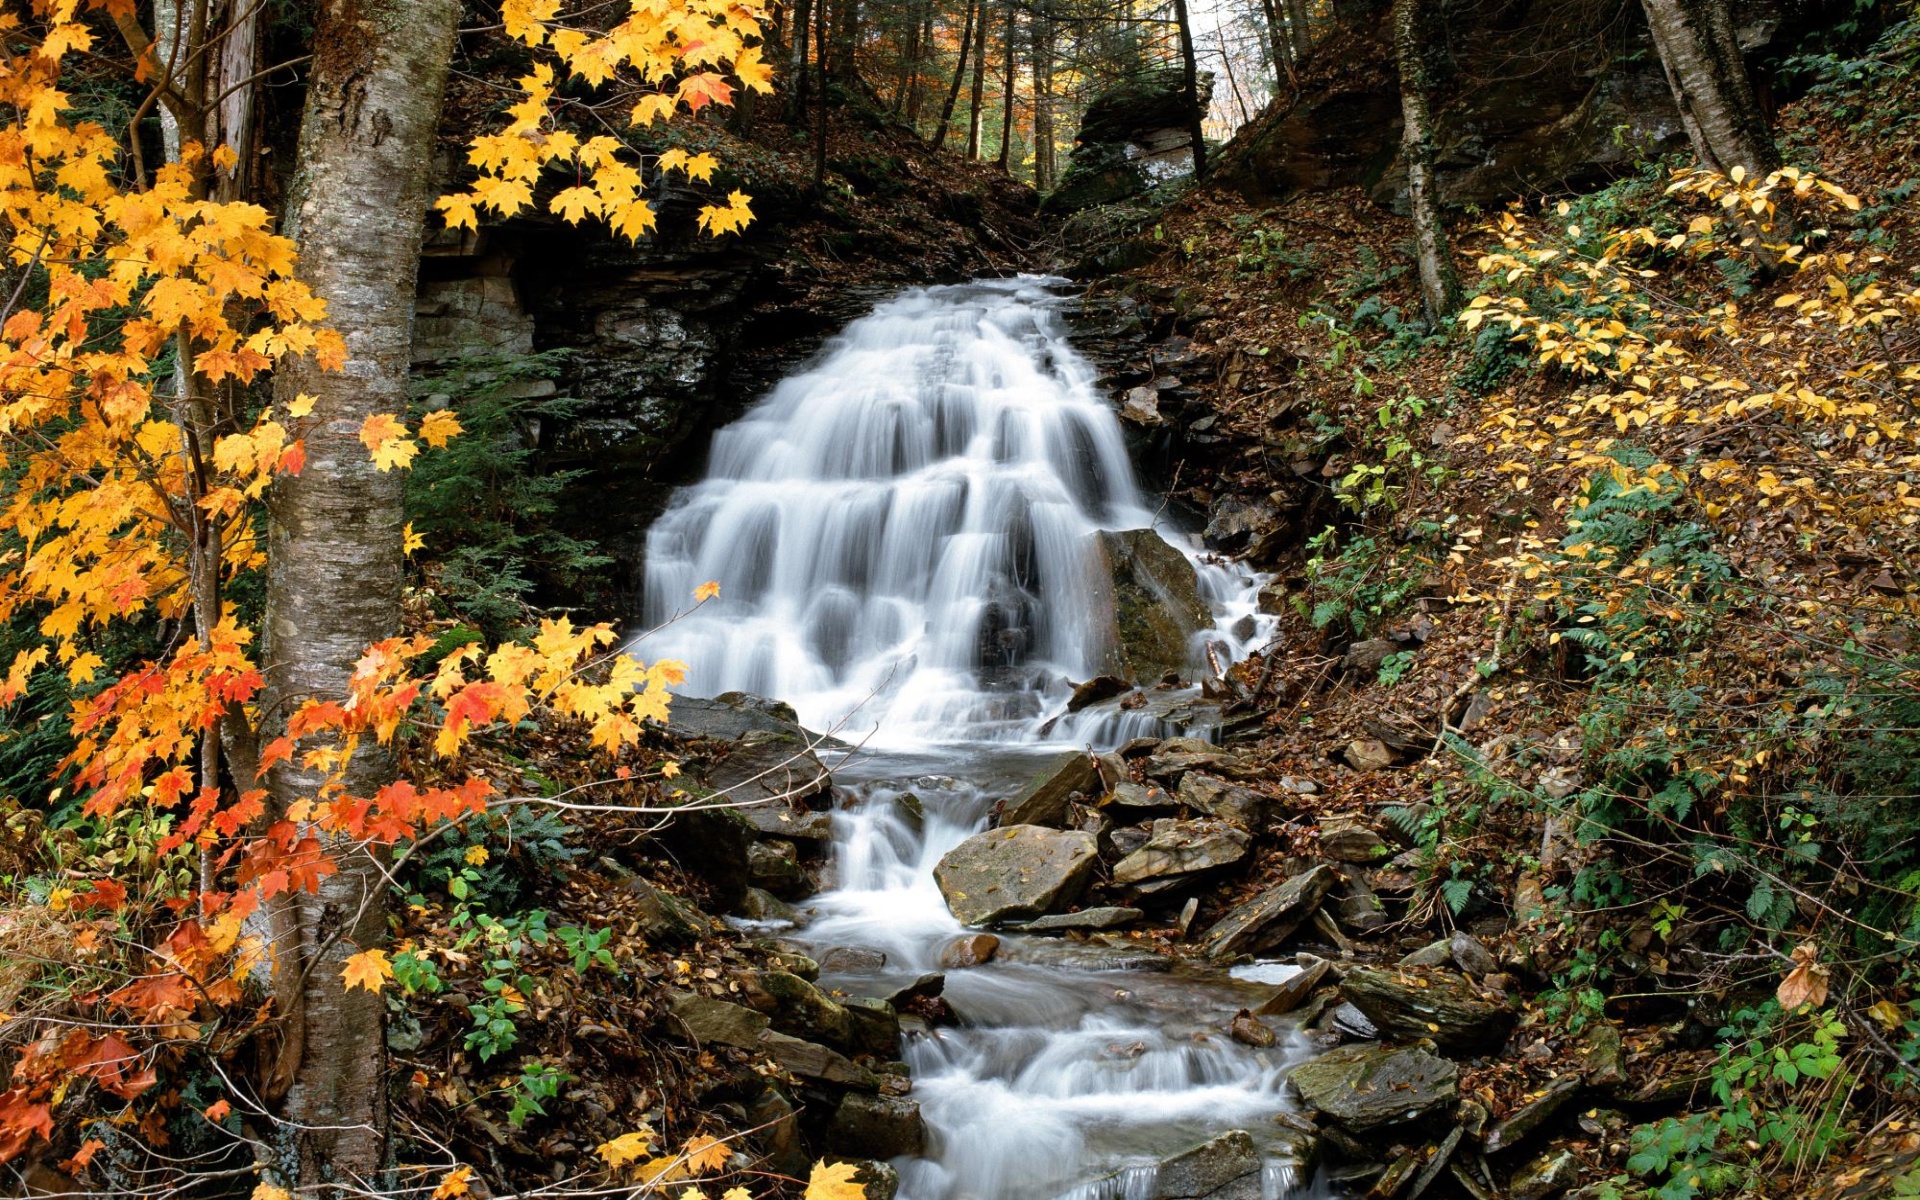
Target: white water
[[904, 536]]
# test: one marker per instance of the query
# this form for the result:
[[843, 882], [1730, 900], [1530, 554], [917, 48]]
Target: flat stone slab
[[1270, 917], [1015, 873], [1109, 917], [1364, 1088], [1430, 1003]]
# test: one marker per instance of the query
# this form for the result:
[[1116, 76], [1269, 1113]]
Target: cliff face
[[1531, 95]]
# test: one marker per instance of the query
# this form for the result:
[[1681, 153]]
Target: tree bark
[[1005, 160], [1190, 78], [846, 41], [1300, 29], [959, 76], [1043, 150], [974, 114], [234, 93], [357, 209], [797, 67], [922, 44], [1439, 285], [1708, 75], [820, 31]]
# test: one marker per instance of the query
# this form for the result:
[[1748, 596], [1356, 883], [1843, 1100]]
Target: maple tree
[[136, 459]]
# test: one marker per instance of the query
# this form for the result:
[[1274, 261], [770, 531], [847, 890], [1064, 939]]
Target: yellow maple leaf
[[738, 1193], [707, 590], [706, 1154], [267, 1191], [300, 405], [834, 1181], [628, 1147], [729, 218], [410, 541], [439, 427], [459, 211], [576, 204], [368, 969], [701, 166], [387, 439], [455, 1184]]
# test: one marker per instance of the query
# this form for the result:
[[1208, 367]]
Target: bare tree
[[1190, 79], [1439, 285], [959, 75]]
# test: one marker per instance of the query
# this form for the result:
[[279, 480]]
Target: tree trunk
[[820, 30], [923, 44], [1190, 77], [1006, 97], [357, 209], [1708, 75], [797, 68], [234, 94], [909, 63], [1043, 164], [1439, 286], [959, 76], [1300, 29], [974, 114], [846, 66]]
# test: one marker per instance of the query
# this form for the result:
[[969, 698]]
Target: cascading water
[[905, 536]]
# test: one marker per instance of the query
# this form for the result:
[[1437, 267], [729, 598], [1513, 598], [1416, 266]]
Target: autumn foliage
[[136, 459]]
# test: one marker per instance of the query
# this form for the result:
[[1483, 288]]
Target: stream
[[906, 537]]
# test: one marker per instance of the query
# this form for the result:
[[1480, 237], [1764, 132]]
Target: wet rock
[[774, 866], [796, 1006], [1226, 1168], [1365, 657], [1130, 801], [791, 957], [779, 768], [1093, 691], [1292, 993], [1015, 873], [1430, 1003], [1218, 798], [1128, 838], [758, 904], [878, 1180], [1433, 954], [1270, 917], [876, 1127], [1250, 1030], [1183, 848], [911, 809], [853, 960], [1345, 837], [1043, 801], [666, 919], [810, 1060], [972, 950], [1470, 956], [1168, 765], [1371, 1087], [776, 1133], [1234, 523], [1075, 955], [1154, 596], [876, 1026], [1369, 754], [1436, 1163], [1359, 909], [925, 987], [1141, 406], [1086, 918], [1605, 1060], [1517, 1125], [1548, 1175], [702, 1020], [1350, 1022]]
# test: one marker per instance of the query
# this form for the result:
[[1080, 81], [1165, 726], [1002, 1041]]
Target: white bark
[[1439, 285], [1708, 76]]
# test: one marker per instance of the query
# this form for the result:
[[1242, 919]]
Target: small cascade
[[905, 533]]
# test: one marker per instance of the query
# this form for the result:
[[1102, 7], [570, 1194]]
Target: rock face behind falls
[[1154, 596]]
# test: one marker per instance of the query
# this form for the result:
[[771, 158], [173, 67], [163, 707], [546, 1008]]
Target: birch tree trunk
[[975, 115], [1439, 285], [357, 209], [1708, 75], [1043, 165]]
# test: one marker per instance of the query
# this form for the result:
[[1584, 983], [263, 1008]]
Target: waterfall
[[904, 534]]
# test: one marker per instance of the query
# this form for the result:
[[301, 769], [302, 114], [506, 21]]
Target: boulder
[[854, 960], [1604, 1060], [1128, 800], [972, 950], [1430, 1003], [1169, 765], [1043, 801], [1014, 873], [1470, 956], [1364, 1088], [1548, 1175], [1218, 798], [1132, 135], [758, 904], [776, 1132], [875, 1025], [1226, 1168], [1345, 837], [1154, 597], [876, 1127], [1234, 523], [665, 918], [1093, 691], [1086, 918], [796, 1006], [774, 866], [703, 1020], [1358, 908], [1369, 754], [1365, 657], [1270, 917], [1250, 1030], [810, 1060], [1183, 848], [1517, 1125]]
